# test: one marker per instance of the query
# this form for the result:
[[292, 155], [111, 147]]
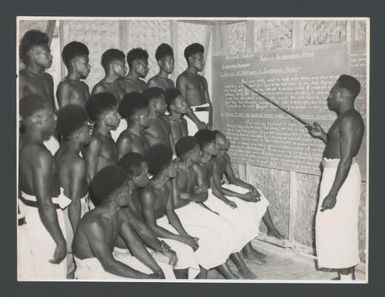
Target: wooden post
[[293, 199], [174, 45], [123, 35], [50, 29], [61, 44]]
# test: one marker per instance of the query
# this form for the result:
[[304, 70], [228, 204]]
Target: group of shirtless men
[[127, 193]]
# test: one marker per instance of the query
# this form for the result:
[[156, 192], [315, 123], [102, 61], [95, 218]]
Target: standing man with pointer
[[337, 213]]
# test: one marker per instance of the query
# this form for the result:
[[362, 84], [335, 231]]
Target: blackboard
[[300, 80]]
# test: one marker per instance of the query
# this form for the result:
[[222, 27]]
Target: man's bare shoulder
[[147, 197], [353, 118]]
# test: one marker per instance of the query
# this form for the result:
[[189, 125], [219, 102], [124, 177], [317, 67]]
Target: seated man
[[184, 260], [242, 220], [243, 194], [102, 151], [71, 90], [164, 55], [159, 130], [194, 89], [190, 202], [157, 202], [137, 60], [134, 109], [40, 200], [114, 65], [73, 127], [99, 228], [177, 107]]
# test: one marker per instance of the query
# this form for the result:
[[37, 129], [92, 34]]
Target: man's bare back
[[178, 128], [158, 132]]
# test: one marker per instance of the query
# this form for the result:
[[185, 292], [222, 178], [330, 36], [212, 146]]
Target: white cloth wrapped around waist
[[255, 210], [167, 269], [202, 115], [337, 228], [214, 233], [41, 244], [60, 200], [243, 225], [186, 256]]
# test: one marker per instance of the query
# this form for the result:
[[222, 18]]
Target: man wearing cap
[[337, 214], [98, 230]]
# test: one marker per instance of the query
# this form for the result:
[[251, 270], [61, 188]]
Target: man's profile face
[[142, 179], [143, 118], [197, 61], [120, 67], [160, 104], [333, 98], [41, 55], [113, 118], [122, 195], [167, 64], [84, 134], [82, 66], [195, 154], [180, 105], [141, 67], [47, 121], [222, 142], [212, 148]]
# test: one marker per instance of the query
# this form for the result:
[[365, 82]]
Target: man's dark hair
[[158, 157], [31, 104], [132, 164], [171, 94], [193, 49], [109, 56], [349, 83], [30, 39], [99, 103], [105, 182], [184, 145], [136, 54], [162, 51], [70, 118], [204, 137], [152, 93], [217, 133], [73, 50], [131, 104]]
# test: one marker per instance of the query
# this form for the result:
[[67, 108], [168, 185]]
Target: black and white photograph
[[193, 149]]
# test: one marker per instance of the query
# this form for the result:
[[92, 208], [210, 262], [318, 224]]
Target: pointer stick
[[280, 107]]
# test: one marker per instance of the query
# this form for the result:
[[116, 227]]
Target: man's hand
[[157, 275], [316, 130], [230, 203], [59, 254], [169, 253], [191, 241], [329, 202], [201, 125]]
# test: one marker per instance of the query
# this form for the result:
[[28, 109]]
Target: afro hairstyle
[[131, 104], [30, 39], [73, 50], [105, 182], [171, 94], [162, 51], [31, 104], [158, 157], [132, 164], [184, 145], [193, 49], [204, 137], [349, 83], [70, 118], [136, 54], [152, 93], [109, 56], [99, 103]]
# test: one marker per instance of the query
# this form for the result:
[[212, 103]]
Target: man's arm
[[63, 94], [147, 202], [136, 245], [98, 88], [181, 85], [124, 145], [316, 131], [349, 141], [42, 181], [102, 251], [51, 91], [207, 99], [77, 176], [92, 158]]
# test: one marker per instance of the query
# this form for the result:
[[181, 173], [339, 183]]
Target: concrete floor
[[285, 265]]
